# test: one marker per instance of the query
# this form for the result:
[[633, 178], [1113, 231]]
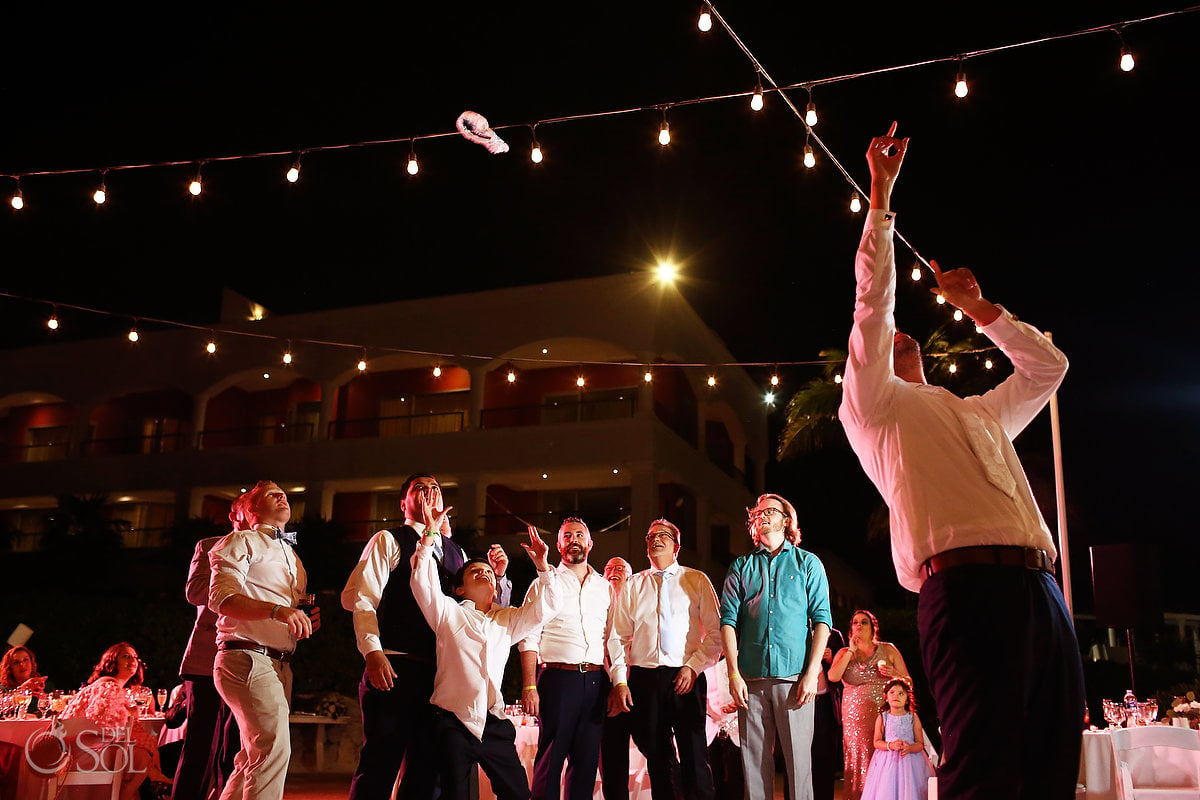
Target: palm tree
[[810, 419]]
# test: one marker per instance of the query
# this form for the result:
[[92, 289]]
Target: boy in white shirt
[[474, 639]]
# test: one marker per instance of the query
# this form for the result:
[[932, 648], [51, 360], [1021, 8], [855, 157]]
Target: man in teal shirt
[[775, 607]]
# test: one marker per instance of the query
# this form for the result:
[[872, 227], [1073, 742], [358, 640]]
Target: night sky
[[1064, 183]]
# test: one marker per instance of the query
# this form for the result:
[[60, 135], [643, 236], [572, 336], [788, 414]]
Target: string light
[[775, 379], [810, 160], [196, 186], [855, 203], [535, 152], [712, 381], [413, 167], [511, 376], [664, 130], [211, 347], [810, 113], [769, 398], [287, 353], [916, 272], [941, 300], [960, 83], [837, 377], [362, 361], [648, 375], [704, 23], [18, 199], [133, 332], [1126, 62], [756, 99], [100, 195], [437, 371], [293, 173], [987, 363], [580, 381], [52, 322], [953, 368]]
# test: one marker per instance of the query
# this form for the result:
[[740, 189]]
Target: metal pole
[[1064, 550]]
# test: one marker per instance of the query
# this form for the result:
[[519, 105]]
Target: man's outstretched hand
[[884, 157]]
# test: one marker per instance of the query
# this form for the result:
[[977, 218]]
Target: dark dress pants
[[1004, 668], [204, 764], [571, 722], [614, 757], [396, 730], [658, 716], [826, 746], [459, 754]]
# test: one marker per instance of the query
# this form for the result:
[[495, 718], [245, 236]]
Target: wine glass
[[1114, 713], [1149, 711], [161, 697], [24, 698]]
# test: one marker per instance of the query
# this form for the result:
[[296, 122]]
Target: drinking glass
[[1114, 713], [307, 603], [1148, 711], [162, 700]]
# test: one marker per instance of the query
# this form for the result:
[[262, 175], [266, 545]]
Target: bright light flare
[[666, 272]]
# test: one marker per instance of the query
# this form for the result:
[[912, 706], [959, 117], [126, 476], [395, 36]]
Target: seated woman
[[104, 701], [18, 670]]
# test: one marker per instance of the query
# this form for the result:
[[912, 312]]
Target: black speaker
[[1126, 581]]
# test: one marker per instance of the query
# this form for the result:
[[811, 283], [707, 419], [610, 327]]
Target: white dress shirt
[[576, 634], [364, 588], [945, 465], [695, 639], [261, 567], [472, 646]]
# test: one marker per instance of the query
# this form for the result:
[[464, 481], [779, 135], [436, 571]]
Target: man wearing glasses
[[775, 622], [665, 633], [570, 694]]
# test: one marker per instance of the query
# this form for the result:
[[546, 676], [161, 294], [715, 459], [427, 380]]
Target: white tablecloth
[[1097, 767]]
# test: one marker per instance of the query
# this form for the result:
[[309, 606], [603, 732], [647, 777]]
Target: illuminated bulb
[[648, 376], [756, 99], [664, 134], [511, 377], [211, 347], [545, 351], [545, 476], [810, 160], [615, 471], [837, 378], [712, 381], [666, 272], [437, 372], [953, 368], [52, 323], [855, 203], [266, 376], [99, 196], [579, 381], [1126, 60], [769, 398], [941, 300], [195, 188], [413, 166], [293, 174], [18, 200], [810, 114], [916, 273], [987, 363], [133, 334], [960, 85], [958, 315], [978, 328], [535, 155], [705, 21], [774, 380], [287, 357], [362, 365]]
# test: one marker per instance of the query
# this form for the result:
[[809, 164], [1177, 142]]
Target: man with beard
[[665, 633], [569, 693]]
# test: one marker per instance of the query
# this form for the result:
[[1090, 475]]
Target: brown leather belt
[[584, 667], [270, 652], [992, 555]]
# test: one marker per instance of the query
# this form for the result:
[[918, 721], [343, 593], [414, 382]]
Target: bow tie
[[287, 536]]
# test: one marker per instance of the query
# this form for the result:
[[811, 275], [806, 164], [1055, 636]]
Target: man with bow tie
[[665, 633], [398, 645], [257, 581], [966, 531]]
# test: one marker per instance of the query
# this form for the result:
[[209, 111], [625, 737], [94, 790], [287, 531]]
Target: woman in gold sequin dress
[[864, 667]]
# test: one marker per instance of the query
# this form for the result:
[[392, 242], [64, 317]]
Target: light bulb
[[705, 21], [756, 99], [810, 114], [837, 378], [916, 273], [287, 357], [535, 155], [99, 196], [579, 381], [1126, 60], [712, 381], [664, 134], [987, 363], [211, 347], [413, 166], [133, 334], [958, 315], [953, 368], [960, 85], [18, 200], [362, 365], [774, 380], [810, 160], [855, 203], [437, 372], [195, 188], [769, 398], [648, 376], [52, 323], [511, 377], [941, 300], [293, 174]]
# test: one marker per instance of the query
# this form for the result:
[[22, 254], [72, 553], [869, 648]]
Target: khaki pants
[[254, 688]]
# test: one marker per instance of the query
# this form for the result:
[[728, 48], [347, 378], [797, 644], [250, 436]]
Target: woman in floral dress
[[864, 667]]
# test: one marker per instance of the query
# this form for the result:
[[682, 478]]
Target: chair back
[[1158, 757], [96, 760]]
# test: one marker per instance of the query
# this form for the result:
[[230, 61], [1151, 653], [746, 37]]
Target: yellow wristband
[[735, 675], [622, 683], [527, 688]]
